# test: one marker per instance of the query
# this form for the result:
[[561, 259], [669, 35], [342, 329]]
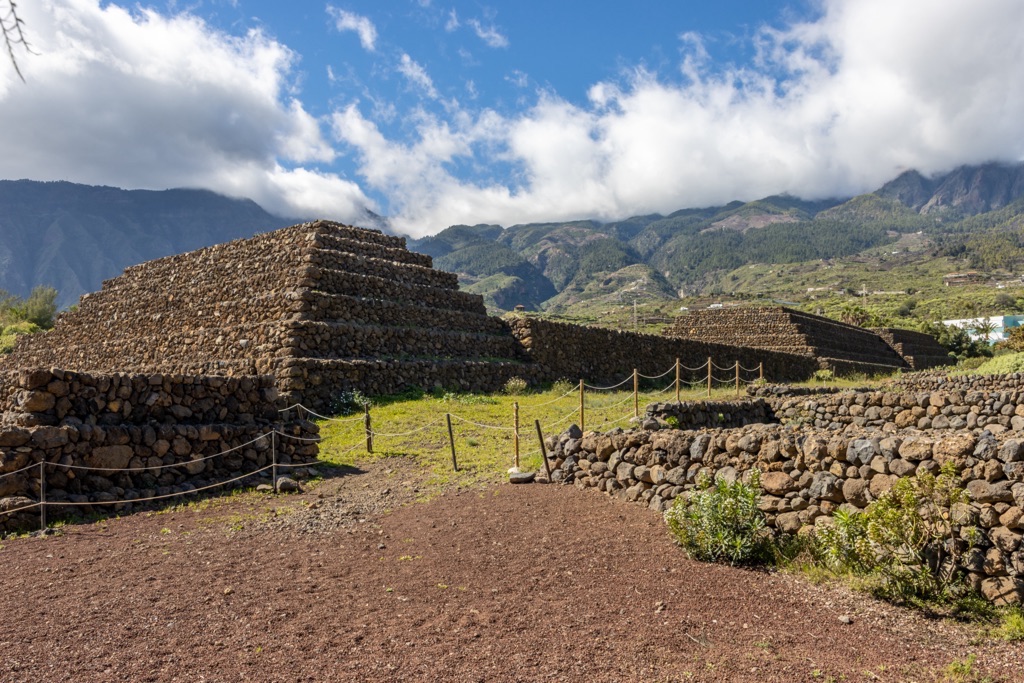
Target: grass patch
[[413, 425]]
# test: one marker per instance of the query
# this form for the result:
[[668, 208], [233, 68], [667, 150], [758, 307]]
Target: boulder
[[982, 491], [109, 457], [916, 448], [1005, 539], [1012, 450], [954, 448], [856, 492], [826, 486], [778, 483], [1002, 590]]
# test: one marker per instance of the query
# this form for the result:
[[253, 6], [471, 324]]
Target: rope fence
[[708, 380], [42, 504], [371, 433]]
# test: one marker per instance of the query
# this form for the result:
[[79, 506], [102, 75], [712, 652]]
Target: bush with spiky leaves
[[721, 522]]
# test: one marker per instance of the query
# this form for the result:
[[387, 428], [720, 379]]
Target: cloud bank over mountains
[[831, 105]]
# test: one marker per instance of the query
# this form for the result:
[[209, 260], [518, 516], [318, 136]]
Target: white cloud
[[518, 78], [349, 21], [140, 100], [831, 107], [453, 21], [489, 34], [417, 75]]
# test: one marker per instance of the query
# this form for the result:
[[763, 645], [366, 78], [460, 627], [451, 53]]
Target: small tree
[[41, 306], [1014, 339], [983, 327]]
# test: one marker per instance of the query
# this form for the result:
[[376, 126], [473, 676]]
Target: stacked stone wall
[[106, 442], [996, 411], [320, 381], [564, 351], [808, 473], [845, 349], [921, 351], [720, 414], [932, 381]]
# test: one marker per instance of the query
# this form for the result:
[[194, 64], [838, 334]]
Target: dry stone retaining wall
[[995, 411], [843, 348], [720, 414], [933, 381], [564, 351], [920, 350], [174, 433], [809, 473]]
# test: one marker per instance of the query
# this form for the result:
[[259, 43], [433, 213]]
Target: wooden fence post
[[369, 429], [737, 379], [273, 460], [760, 371], [677, 380], [543, 451], [710, 365], [515, 429], [582, 428], [42, 495], [636, 393], [451, 440]]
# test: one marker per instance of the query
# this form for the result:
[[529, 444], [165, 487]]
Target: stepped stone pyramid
[[839, 346], [920, 350], [323, 307]]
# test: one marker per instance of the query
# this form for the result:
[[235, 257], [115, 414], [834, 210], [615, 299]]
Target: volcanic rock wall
[[920, 350], [843, 348], [934, 381], [109, 440], [995, 411], [809, 472], [564, 351]]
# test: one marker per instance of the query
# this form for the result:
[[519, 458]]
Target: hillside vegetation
[[879, 257]]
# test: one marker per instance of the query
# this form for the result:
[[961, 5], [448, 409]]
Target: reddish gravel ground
[[527, 583]]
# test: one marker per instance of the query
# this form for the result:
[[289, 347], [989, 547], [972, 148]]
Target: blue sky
[[436, 112]]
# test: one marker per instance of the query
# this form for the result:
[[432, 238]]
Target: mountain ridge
[[74, 236]]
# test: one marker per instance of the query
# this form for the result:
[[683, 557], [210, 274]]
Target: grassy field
[[483, 425]]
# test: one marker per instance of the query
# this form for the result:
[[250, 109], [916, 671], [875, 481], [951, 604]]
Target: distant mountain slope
[[72, 236], [967, 190], [690, 250]]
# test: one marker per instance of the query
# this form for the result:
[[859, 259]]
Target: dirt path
[[529, 583]]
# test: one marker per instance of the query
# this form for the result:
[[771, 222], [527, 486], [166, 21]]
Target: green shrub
[[1011, 625], [9, 334], [7, 342], [348, 402], [1001, 365], [515, 386], [843, 546], [563, 386], [906, 542], [721, 522], [824, 375]]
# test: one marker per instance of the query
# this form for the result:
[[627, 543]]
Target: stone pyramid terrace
[[841, 347], [321, 306]]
